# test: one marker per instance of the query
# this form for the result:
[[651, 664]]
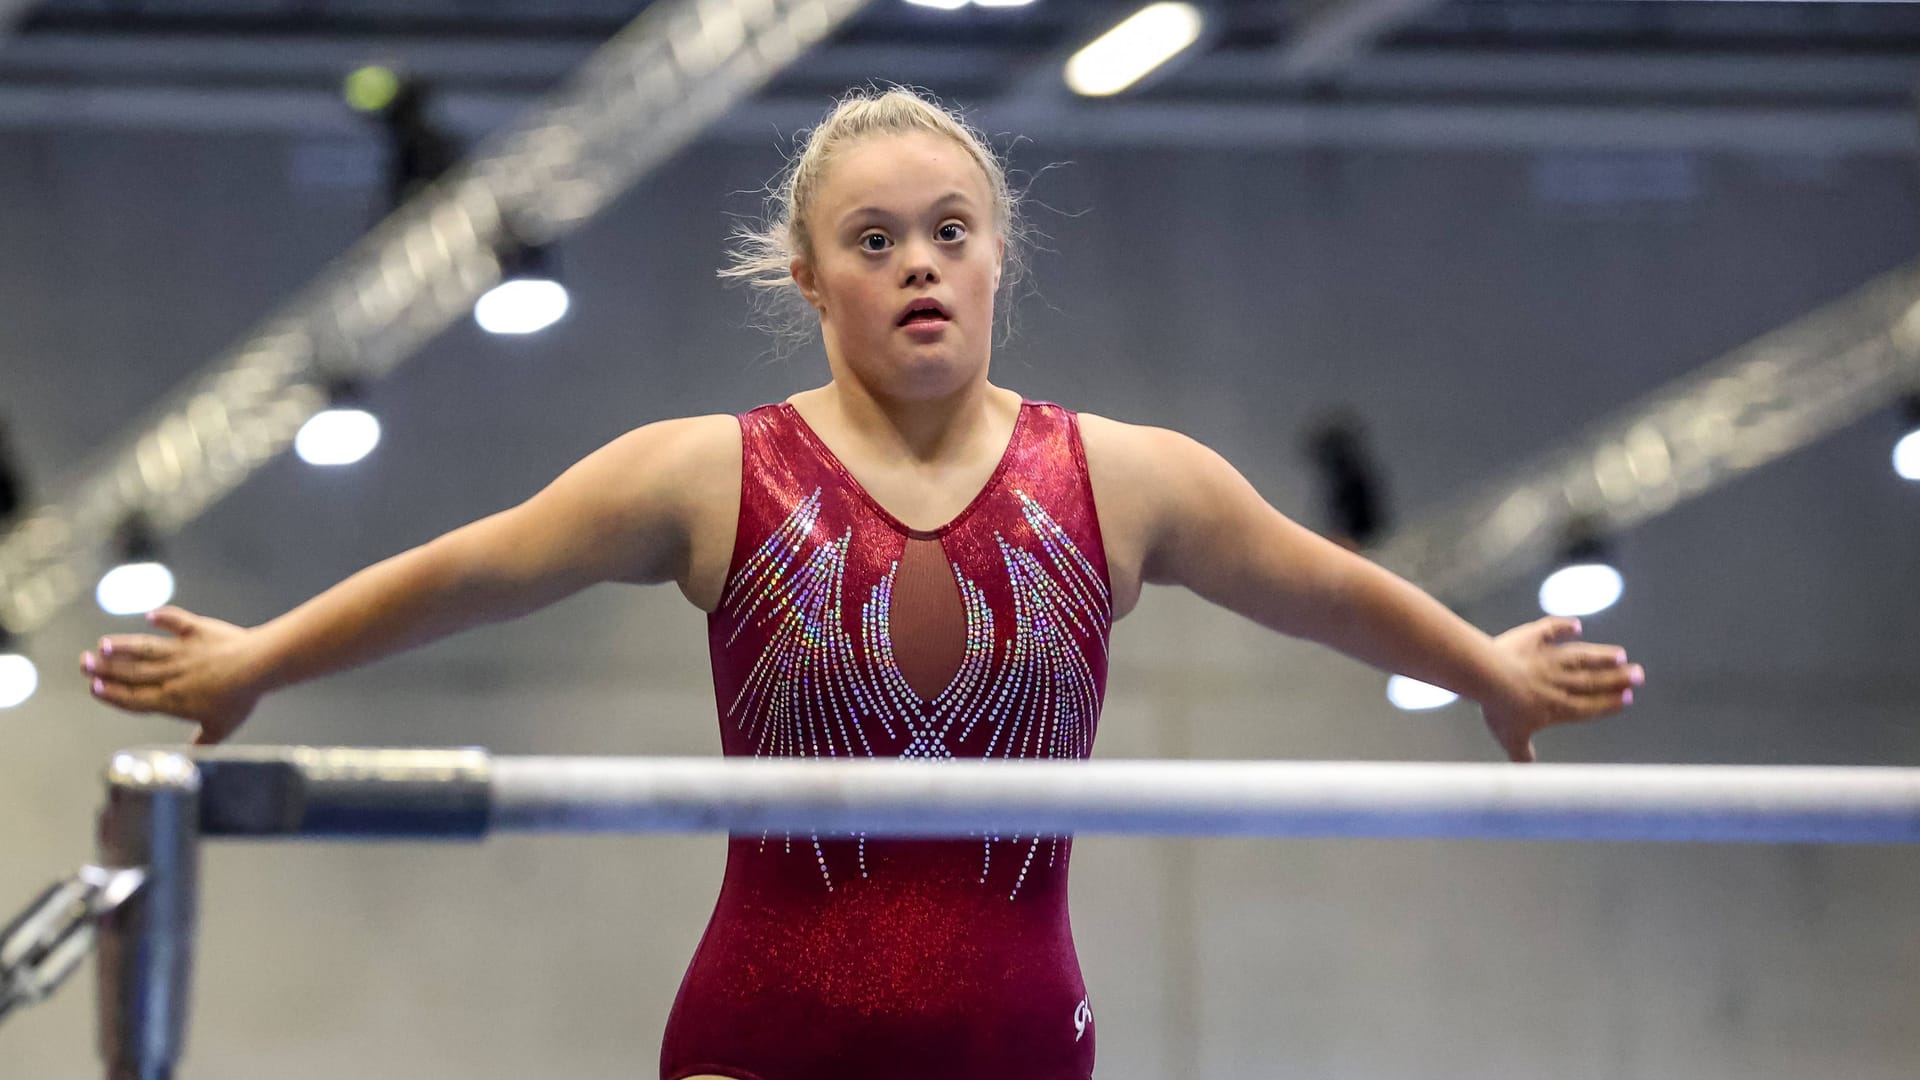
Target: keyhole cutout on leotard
[[928, 622]]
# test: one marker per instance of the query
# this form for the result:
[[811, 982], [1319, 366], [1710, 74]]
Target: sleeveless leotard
[[842, 633]]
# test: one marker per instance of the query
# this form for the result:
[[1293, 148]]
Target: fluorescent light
[[134, 588], [1412, 695], [943, 5], [1146, 39], [521, 306], [337, 437], [18, 679], [1581, 589], [1001, 3]]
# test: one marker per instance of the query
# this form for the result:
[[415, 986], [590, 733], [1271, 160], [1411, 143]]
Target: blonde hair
[[763, 253]]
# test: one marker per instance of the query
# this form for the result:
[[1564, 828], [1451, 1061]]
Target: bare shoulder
[[1155, 461], [657, 503], [696, 443], [1153, 487], [692, 467], [657, 466], [1140, 444], [1132, 467]]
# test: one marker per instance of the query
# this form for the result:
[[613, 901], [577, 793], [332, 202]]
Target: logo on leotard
[[1082, 1016]]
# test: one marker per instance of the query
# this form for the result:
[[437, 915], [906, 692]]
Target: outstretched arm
[[624, 513], [1193, 520]]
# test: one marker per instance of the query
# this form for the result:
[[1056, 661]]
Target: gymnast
[[910, 562]]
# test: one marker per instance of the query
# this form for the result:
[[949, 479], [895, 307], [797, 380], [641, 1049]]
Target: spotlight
[[341, 434], [1412, 695], [419, 151], [942, 5], [18, 678], [1140, 43], [1906, 452], [13, 493], [1585, 583], [141, 582], [529, 297], [1350, 487]]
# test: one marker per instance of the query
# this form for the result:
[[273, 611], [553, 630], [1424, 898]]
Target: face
[[905, 261]]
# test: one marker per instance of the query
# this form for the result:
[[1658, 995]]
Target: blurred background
[[1410, 264]]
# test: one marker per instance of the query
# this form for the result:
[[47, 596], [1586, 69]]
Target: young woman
[[908, 561]]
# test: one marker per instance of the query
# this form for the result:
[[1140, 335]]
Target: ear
[[802, 272], [999, 259]]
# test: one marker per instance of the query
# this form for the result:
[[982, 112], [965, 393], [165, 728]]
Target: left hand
[[1553, 678]]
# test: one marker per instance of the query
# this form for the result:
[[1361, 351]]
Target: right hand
[[202, 673]]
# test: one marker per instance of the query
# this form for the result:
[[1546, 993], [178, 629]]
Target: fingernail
[[99, 686], [1620, 657], [1576, 626], [106, 647], [86, 661], [1638, 675], [1626, 697]]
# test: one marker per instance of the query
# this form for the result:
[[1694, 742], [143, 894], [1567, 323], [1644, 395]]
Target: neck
[[925, 430]]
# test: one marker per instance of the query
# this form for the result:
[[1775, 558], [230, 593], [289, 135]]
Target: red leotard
[[842, 633]]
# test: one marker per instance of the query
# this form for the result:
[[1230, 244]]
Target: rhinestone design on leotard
[[819, 690], [810, 645]]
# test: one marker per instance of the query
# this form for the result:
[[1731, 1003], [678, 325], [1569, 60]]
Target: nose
[[919, 265]]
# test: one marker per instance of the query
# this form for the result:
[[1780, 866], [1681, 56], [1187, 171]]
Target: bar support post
[[151, 821]]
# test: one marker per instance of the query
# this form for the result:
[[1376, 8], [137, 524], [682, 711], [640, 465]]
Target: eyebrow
[[874, 211]]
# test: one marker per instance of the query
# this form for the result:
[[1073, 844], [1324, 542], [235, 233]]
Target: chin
[[925, 374]]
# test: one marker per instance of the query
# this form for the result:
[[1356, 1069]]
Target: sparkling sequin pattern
[[942, 958]]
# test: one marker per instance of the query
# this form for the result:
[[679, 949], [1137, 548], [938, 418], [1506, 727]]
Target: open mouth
[[924, 311]]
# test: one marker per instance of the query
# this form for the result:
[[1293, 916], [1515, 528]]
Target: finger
[[1556, 629], [214, 731], [1612, 681], [1521, 752], [176, 621], [1593, 657], [134, 699], [1607, 682], [127, 669], [1582, 707], [139, 646]]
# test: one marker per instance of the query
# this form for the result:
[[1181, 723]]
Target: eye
[[951, 231], [874, 241]]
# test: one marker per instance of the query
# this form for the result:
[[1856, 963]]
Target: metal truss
[[642, 97], [1753, 406], [1333, 36]]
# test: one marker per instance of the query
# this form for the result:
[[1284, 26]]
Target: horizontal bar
[[339, 791], [465, 794], [1550, 802]]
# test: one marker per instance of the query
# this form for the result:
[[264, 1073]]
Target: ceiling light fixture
[[1127, 53]]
